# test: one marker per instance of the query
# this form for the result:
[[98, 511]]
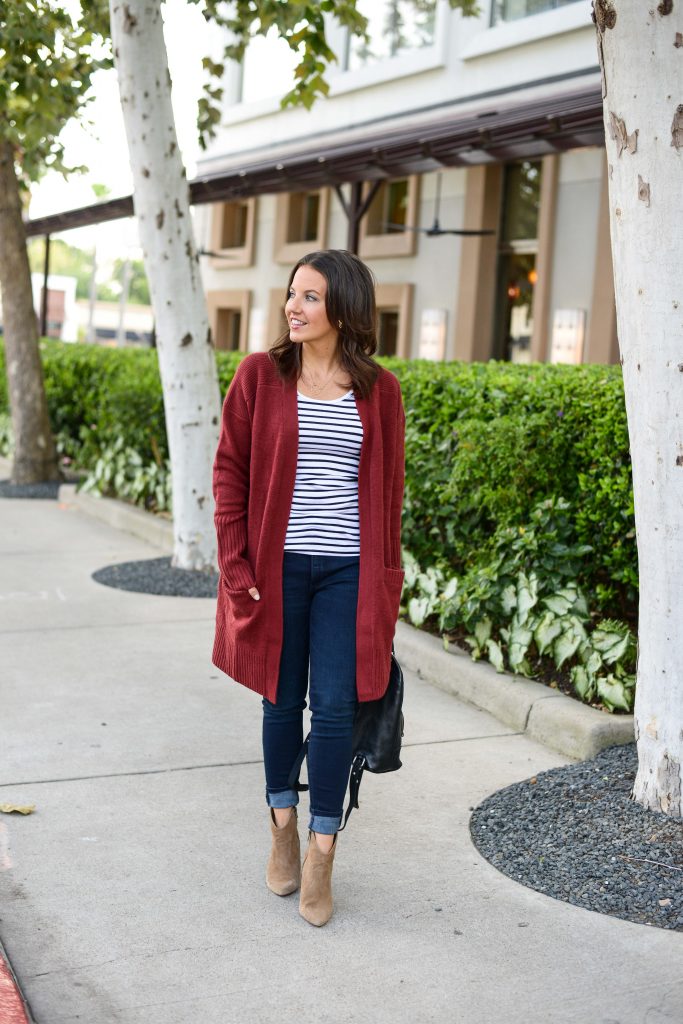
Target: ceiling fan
[[436, 228]]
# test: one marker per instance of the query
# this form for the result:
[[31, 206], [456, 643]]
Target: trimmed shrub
[[486, 444]]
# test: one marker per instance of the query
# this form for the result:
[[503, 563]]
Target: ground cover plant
[[518, 528]]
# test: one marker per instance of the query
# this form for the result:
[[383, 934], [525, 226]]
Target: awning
[[513, 127]]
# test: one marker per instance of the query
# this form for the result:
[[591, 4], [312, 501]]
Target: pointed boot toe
[[315, 903], [283, 873]]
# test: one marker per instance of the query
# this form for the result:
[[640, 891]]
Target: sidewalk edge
[[122, 516], [545, 715]]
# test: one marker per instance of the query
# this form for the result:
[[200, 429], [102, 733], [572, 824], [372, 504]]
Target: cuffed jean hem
[[286, 798], [325, 826]]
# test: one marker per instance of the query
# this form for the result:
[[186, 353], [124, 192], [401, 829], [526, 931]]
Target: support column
[[601, 338], [478, 258], [544, 264]]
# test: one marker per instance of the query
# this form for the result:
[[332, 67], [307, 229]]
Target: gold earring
[[340, 324]]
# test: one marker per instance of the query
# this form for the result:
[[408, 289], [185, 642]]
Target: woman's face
[[305, 308]]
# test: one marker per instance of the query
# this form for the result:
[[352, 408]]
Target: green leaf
[[548, 628], [482, 631], [614, 694], [495, 655]]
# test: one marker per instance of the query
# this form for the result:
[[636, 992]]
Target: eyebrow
[[306, 289]]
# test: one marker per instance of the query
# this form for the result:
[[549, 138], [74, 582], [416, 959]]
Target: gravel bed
[[46, 489], [574, 833], [157, 576]]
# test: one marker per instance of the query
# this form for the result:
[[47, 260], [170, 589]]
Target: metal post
[[43, 298], [353, 234]]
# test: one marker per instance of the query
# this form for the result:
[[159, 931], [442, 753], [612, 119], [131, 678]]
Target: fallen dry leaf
[[19, 808]]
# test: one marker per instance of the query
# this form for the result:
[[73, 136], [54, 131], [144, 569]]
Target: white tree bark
[[161, 196], [641, 49]]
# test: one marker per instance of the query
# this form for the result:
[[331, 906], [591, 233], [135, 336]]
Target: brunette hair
[[350, 298]]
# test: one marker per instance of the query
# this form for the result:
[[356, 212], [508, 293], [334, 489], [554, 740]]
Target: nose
[[292, 305]]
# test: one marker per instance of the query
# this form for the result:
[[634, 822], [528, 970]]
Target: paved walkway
[[135, 893]]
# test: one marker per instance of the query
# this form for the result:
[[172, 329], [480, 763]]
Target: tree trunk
[[35, 456], [640, 49], [162, 206]]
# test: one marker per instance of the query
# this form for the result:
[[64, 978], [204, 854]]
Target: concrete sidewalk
[[135, 893]]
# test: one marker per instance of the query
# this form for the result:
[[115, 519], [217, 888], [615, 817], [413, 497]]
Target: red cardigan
[[253, 483]]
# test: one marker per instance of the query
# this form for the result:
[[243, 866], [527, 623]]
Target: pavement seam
[[223, 764], [113, 625]]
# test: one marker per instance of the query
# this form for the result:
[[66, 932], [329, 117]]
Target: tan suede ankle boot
[[283, 874], [315, 903]]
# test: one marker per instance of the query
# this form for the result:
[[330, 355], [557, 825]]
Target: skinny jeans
[[320, 598]]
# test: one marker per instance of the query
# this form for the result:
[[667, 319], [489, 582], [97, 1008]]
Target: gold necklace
[[318, 387]]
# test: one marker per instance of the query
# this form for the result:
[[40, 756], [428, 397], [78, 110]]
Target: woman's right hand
[[254, 593]]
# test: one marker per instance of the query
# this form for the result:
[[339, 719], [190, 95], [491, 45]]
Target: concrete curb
[[13, 1007], [545, 715], [122, 516]]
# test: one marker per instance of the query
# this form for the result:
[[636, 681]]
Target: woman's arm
[[397, 485], [231, 489]]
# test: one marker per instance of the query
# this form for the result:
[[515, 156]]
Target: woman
[[308, 482]]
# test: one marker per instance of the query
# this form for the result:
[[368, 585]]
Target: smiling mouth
[[297, 323]]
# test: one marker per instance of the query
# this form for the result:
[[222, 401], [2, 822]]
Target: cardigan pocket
[[240, 608]]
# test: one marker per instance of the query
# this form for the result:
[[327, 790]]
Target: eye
[[311, 297]]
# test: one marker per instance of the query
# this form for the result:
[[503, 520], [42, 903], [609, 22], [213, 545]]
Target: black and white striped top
[[324, 514]]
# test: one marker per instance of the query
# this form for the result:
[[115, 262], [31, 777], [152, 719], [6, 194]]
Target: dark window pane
[[234, 225], [228, 323], [302, 224], [388, 210], [511, 10], [521, 200], [388, 332], [516, 306]]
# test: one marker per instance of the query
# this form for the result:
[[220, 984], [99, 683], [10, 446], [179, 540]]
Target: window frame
[[289, 252], [395, 243], [400, 297], [233, 257], [236, 299]]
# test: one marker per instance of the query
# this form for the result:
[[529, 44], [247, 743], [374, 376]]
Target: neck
[[318, 362]]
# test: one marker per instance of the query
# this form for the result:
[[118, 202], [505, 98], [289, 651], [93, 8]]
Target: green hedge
[[485, 445]]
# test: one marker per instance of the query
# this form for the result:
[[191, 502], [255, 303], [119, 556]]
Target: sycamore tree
[[640, 47], [47, 60], [162, 205], [161, 198]]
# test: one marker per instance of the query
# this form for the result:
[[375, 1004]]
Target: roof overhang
[[462, 135]]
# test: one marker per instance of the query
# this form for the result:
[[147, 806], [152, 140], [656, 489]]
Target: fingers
[[254, 593]]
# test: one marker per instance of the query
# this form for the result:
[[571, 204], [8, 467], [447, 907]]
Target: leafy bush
[[487, 443], [523, 607], [518, 489]]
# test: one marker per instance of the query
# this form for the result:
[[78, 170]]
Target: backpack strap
[[293, 780], [357, 769]]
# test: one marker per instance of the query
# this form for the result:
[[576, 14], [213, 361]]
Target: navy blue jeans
[[320, 597]]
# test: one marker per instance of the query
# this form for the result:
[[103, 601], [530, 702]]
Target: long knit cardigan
[[253, 483]]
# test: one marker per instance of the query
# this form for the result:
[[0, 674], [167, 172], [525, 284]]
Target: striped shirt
[[324, 515]]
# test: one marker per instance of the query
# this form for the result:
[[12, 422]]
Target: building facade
[[439, 123]]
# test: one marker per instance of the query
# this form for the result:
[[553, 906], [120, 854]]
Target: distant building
[[501, 116]]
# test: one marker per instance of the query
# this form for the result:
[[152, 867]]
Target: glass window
[[512, 10], [233, 233], [394, 27], [228, 325], [387, 334], [521, 200], [517, 274], [387, 213], [302, 223]]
